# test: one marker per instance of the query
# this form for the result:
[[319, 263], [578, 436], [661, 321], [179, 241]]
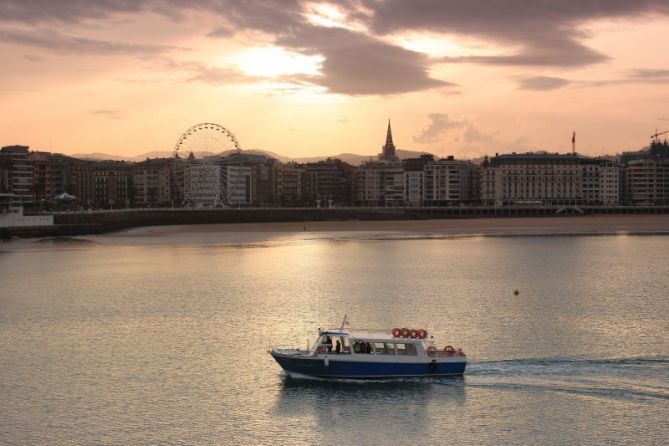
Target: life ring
[[422, 333], [449, 350], [460, 352], [404, 332], [396, 332], [431, 350], [413, 334]]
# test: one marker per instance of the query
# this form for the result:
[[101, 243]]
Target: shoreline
[[253, 234]]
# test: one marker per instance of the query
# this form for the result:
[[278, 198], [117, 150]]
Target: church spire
[[389, 135], [389, 148]]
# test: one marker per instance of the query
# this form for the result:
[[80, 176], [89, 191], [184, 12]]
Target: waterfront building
[[646, 176], [5, 174], [112, 184], [152, 182], [379, 183], [288, 184], [414, 179], [549, 179], [237, 184], [20, 176], [449, 182], [327, 183]]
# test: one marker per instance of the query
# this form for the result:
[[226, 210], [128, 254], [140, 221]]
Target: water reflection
[[346, 411]]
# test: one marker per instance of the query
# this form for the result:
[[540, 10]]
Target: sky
[[309, 78]]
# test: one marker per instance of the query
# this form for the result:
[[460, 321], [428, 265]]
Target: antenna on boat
[[344, 323]]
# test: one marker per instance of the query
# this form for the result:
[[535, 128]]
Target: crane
[[655, 137]]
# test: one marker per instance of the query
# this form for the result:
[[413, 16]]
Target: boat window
[[345, 346], [406, 349], [384, 348]]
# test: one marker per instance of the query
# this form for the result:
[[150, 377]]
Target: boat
[[372, 354]]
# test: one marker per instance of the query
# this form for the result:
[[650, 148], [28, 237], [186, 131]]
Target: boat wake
[[639, 378]]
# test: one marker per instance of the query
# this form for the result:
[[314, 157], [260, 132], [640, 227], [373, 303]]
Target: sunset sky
[[303, 78]]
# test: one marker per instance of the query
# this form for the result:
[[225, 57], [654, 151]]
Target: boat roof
[[367, 334]]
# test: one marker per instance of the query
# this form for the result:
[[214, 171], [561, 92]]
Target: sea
[[164, 339]]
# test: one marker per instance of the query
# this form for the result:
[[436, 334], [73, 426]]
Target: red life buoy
[[413, 333], [422, 333], [449, 350], [432, 350], [405, 332], [460, 352], [396, 332]]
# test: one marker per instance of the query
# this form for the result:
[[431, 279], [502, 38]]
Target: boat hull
[[332, 367]]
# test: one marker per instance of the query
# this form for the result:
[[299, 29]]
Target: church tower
[[388, 153]]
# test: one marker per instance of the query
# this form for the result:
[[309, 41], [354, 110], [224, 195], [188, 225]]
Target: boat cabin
[[366, 343]]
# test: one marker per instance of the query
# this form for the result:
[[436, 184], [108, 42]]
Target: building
[[379, 183], [20, 176], [388, 149], [327, 183], [112, 184], [288, 184], [152, 182], [549, 179], [448, 182], [5, 174], [414, 179], [237, 184]]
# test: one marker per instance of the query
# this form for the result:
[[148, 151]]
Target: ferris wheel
[[205, 139], [196, 173]]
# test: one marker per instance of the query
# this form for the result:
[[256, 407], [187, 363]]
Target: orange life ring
[[449, 350], [396, 332], [422, 333], [431, 350], [413, 334], [405, 332]]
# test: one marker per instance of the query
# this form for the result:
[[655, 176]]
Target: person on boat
[[328, 342], [356, 347], [338, 347]]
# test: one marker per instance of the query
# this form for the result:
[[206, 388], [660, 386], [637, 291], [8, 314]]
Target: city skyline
[[317, 78]]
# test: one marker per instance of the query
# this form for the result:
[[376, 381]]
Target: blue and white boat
[[372, 354]]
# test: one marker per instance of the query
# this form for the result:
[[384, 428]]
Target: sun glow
[[273, 62]]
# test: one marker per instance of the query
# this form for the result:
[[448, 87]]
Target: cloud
[[111, 114], [357, 64], [67, 44], [541, 83], [440, 123], [548, 32], [649, 75]]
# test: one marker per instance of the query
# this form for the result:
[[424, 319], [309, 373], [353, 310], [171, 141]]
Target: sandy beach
[[480, 226], [250, 234]]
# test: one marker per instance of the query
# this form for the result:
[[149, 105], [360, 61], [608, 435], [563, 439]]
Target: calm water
[[154, 344]]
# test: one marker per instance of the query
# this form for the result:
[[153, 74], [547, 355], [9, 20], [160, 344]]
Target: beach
[[252, 233]]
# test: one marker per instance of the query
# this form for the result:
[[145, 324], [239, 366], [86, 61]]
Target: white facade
[[237, 184], [413, 188], [448, 180], [379, 184], [203, 185], [551, 179]]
